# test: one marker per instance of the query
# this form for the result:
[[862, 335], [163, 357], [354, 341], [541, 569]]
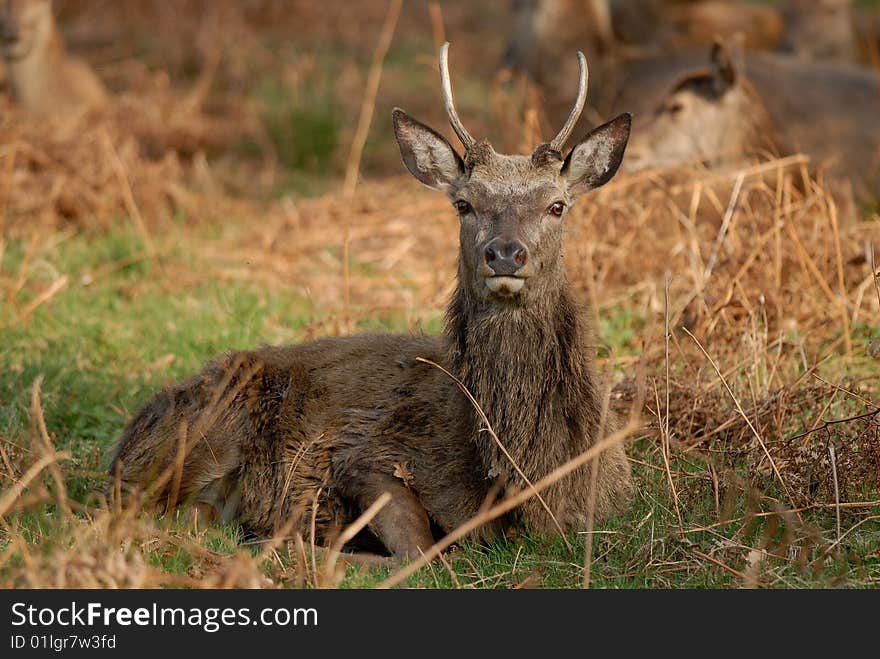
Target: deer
[[711, 114], [620, 36], [44, 78], [305, 438], [730, 113]]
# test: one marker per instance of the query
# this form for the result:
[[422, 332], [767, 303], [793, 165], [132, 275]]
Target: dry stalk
[[591, 502], [8, 178], [438, 31], [723, 566], [312, 535], [47, 448], [742, 414], [54, 288], [368, 104], [664, 434], [836, 489], [841, 280], [346, 278], [128, 196], [810, 265], [454, 576], [827, 424], [665, 450], [836, 543], [15, 491], [725, 224], [510, 503], [351, 531], [497, 441], [874, 274]]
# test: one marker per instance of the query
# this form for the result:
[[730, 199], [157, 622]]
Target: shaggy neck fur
[[530, 369]]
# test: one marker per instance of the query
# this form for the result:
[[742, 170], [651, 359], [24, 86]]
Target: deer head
[[710, 115], [25, 26], [512, 207]]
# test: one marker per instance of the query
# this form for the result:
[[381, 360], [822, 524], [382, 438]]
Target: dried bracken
[[143, 154]]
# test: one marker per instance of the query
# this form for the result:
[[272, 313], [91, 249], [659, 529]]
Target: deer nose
[[505, 257]]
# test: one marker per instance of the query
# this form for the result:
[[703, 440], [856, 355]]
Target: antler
[[466, 139], [559, 141]]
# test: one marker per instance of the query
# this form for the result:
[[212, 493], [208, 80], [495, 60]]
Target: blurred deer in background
[[308, 436], [729, 114], [711, 115], [621, 34], [656, 42], [44, 78]]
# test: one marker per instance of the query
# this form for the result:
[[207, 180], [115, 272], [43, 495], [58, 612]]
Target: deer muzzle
[[504, 262]]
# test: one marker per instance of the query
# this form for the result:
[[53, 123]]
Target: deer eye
[[462, 207], [675, 107], [557, 209]]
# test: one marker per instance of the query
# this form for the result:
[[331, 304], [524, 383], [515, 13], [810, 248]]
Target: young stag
[[295, 438]]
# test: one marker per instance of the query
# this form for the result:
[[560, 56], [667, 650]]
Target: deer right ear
[[426, 153], [595, 159], [724, 73]]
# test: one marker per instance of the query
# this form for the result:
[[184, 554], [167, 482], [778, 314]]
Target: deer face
[[695, 121], [512, 208], [710, 116], [25, 26]]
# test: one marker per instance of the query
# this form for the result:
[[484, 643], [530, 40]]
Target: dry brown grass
[[143, 156]]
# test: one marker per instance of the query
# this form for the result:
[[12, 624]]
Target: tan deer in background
[[44, 78]]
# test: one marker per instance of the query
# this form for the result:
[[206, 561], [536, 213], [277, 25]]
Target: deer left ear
[[595, 159]]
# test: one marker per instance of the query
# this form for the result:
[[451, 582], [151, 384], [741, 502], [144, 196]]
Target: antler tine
[[466, 139], [559, 141]]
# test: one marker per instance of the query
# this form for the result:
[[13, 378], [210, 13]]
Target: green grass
[[105, 342], [304, 122], [102, 345], [644, 549]]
